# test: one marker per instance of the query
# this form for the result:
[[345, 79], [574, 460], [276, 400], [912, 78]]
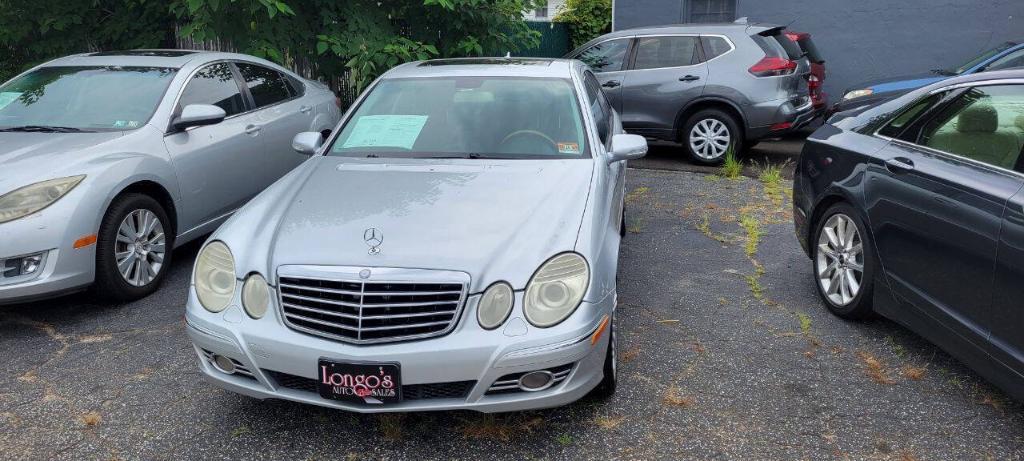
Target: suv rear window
[[811, 49], [793, 50], [772, 48]]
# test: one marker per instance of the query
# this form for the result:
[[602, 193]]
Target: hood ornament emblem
[[373, 238]]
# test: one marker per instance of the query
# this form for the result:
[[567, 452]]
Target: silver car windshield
[[83, 98], [466, 117]]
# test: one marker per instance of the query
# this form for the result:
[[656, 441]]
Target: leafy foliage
[[587, 19], [366, 36]]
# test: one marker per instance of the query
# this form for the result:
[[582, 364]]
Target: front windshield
[[982, 58], [87, 98], [466, 117]]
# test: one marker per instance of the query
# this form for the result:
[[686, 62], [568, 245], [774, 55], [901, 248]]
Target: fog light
[[224, 364], [536, 381], [30, 264], [24, 265]]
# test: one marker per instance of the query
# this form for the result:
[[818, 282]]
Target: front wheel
[[133, 248], [708, 135], [844, 266], [607, 386]]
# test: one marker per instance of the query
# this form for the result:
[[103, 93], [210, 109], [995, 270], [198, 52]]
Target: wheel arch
[[155, 190], [695, 106]]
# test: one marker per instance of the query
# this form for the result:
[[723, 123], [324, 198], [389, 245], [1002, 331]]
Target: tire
[[606, 388], [143, 252], [622, 225], [697, 132], [835, 263]]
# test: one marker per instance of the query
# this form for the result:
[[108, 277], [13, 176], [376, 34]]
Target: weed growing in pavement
[[564, 439], [631, 354], [240, 431], [875, 369], [91, 419], [636, 227], [499, 427], [754, 282], [805, 323], [732, 168], [913, 373], [704, 226], [637, 194], [771, 177], [391, 425], [753, 228], [609, 422], [672, 397]]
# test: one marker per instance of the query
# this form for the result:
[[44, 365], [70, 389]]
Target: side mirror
[[307, 143], [198, 115], [627, 147]]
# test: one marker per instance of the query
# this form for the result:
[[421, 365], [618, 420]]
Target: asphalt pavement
[[725, 353]]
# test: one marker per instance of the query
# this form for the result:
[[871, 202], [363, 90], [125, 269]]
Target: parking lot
[[725, 350]]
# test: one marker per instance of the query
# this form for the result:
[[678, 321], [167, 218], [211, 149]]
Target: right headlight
[[34, 197], [495, 305], [858, 94], [556, 290], [215, 276], [255, 295]]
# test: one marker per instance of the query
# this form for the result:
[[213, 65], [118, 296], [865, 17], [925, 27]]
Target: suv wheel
[[708, 134], [133, 249]]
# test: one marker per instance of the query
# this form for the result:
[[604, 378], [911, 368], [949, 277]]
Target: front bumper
[[281, 363]]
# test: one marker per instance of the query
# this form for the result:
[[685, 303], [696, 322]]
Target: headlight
[[255, 296], [215, 276], [30, 199], [495, 306], [857, 94], [556, 290]]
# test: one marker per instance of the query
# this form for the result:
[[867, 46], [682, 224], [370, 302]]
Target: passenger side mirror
[[198, 115], [627, 147], [308, 143]]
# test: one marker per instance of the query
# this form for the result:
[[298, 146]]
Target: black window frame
[[245, 85], [704, 47], [727, 13]]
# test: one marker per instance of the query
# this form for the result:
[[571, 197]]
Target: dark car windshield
[[466, 117], [86, 98], [980, 59]]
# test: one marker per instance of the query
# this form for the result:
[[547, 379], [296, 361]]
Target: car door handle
[[689, 78], [611, 84], [253, 130], [306, 109], [899, 164]]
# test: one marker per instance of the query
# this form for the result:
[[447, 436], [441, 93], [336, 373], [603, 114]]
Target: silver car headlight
[[556, 290], [858, 94], [32, 198], [215, 276], [495, 305], [255, 295]]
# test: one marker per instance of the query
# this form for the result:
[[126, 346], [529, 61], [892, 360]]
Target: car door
[[215, 164], [281, 113], [608, 61], [936, 203], [667, 72]]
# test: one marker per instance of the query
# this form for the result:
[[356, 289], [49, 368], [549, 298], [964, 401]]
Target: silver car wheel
[[140, 247], [840, 260], [710, 138]]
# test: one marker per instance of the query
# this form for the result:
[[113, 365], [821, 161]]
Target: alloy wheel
[[140, 247], [710, 138], [840, 260]]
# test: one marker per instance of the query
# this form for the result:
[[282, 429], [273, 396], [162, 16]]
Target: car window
[[600, 109], [792, 48], [658, 52], [771, 47], [267, 86], [466, 117], [214, 84], [894, 128], [1010, 61], [985, 124], [295, 86], [715, 47], [981, 58], [606, 56]]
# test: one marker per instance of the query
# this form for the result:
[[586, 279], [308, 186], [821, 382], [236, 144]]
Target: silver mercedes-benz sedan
[[110, 160], [453, 245]]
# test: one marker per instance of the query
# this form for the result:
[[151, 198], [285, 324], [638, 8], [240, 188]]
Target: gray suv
[[706, 86]]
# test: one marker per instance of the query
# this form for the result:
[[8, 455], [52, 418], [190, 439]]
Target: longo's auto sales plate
[[364, 383]]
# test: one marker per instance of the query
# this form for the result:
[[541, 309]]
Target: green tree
[[586, 19]]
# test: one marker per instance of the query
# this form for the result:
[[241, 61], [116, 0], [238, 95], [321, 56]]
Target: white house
[[545, 13]]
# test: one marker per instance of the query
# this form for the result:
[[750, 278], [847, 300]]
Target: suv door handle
[[611, 84], [305, 109], [253, 130], [689, 78], [899, 164]]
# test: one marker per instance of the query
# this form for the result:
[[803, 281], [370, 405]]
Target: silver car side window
[[214, 84]]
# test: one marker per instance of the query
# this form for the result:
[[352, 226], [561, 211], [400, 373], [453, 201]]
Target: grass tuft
[[753, 228], [805, 323], [609, 422], [875, 369], [91, 419], [674, 398], [913, 373], [732, 168], [502, 428]]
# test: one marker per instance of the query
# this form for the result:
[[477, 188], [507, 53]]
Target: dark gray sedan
[[914, 209]]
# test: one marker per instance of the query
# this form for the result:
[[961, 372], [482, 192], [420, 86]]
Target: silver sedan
[[453, 245], [110, 160]]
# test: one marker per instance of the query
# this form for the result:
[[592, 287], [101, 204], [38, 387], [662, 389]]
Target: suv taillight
[[773, 67], [813, 81]]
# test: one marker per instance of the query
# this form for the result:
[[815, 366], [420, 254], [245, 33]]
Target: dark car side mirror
[[198, 115]]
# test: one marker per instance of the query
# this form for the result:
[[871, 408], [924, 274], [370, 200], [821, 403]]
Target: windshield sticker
[[126, 124], [8, 97], [386, 131], [568, 148]]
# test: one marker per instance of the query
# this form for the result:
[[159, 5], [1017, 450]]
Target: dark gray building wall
[[867, 39]]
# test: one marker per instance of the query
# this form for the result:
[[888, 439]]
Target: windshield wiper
[[473, 156], [44, 129]]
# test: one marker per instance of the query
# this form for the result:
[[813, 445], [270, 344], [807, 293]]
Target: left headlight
[[858, 94], [255, 296], [556, 290], [32, 198], [215, 276]]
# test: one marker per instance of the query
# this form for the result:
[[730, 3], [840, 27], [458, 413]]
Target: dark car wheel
[[708, 134], [133, 248], [622, 224], [844, 265], [606, 388]]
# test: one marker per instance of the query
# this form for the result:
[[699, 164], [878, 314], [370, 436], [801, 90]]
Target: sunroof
[[153, 53], [488, 62]]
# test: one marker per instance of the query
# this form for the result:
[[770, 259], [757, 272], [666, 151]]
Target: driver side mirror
[[198, 115], [308, 143], [627, 147]]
